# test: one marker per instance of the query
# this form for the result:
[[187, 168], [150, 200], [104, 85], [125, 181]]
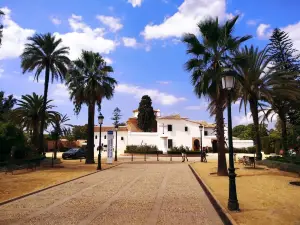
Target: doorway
[[196, 145]]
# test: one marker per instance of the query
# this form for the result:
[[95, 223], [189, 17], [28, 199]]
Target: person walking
[[184, 155]]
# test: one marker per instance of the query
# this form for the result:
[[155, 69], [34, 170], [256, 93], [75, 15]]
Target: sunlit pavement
[[143, 193]]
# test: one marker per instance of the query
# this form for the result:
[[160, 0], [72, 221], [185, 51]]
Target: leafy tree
[[116, 116], [6, 105], [89, 81], [29, 114], [146, 116], [10, 135], [248, 132], [44, 52], [60, 128], [209, 55], [80, 132], [237, 130], [285, 59]]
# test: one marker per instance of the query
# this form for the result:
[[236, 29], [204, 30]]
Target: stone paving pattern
[[132, 193]]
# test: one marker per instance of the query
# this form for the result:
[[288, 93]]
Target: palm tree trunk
[[284, 134], [222, 165], [56, 148], [254, 111], [35, 133], [90, 139], [42, 125]]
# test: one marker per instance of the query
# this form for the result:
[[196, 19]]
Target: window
[[122, 138], [170, 128], [205, 133], [186, 129], [96, 137], [104, 136], [170, 143]]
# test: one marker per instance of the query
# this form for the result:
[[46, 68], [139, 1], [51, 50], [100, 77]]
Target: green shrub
[[142, 149], [251, 149], [180, 149]]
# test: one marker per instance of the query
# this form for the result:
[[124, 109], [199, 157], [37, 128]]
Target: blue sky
[[141, 40]]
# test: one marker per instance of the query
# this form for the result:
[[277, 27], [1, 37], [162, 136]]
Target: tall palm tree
[[89, 82], [60, 128], [6, 105], [44, 52], [260, 84], [29, 113], [208, 56]]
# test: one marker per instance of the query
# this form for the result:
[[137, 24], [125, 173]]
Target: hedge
[[187, 152], [249, 150], [142, 149]]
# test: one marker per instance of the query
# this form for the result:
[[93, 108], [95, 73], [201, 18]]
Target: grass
[[23, 181], [265, 195]]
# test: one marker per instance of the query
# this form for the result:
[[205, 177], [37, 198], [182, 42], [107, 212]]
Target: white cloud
[[156, 96], [55, 20], [195, 107], [189, 13], [135, 3], [129, 42], [109, 61], [1, 72], [263, 31], [14, 37], [59, 94], [113, 23], [247, 119], [163, 82], [84, 37], [31, 78], [251, 22], [60, 90], [294, 33]]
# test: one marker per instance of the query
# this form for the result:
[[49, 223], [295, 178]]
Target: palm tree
[[6, 105], [208, 56], [260, 83], [29, 113], [44, 52], [60, 128], [89, 82]]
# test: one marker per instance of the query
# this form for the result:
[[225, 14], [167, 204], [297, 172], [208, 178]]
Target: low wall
[[242, 143]]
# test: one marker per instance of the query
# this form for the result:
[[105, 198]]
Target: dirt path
[[128, 194]]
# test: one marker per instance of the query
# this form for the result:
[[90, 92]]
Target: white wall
[[242, 143], [121, 143]]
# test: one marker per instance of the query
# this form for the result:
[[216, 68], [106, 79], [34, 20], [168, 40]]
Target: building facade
[[170, 131]]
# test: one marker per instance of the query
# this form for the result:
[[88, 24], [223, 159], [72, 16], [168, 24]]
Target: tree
[[80, 132], [44, 52], [29, 114], [116, 116], [122, 124], [89, 81], [284, 58], [146, 116], [6, 105], [60, 128], [209, 55], [248, 132]]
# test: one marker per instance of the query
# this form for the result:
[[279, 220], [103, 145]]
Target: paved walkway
[[138, 193]]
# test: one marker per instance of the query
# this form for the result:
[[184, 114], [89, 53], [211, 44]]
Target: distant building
[[172, 130]]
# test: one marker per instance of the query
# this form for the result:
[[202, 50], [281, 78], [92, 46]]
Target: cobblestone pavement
[[137, 193]]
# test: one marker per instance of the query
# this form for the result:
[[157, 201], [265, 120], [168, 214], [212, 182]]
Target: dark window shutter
[[170, 143], [122, 138], [205, 133], [186, 129], [170, 128], [96, 137], [104, 136]]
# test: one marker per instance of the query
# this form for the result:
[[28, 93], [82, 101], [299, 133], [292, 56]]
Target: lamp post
[[116, 129], [228, 82], [201, 149], [100, 121]]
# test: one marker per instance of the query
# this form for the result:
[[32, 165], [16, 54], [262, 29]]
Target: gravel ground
[[137, 193]]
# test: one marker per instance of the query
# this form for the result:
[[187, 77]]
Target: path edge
[[52, 186], [222, 212]]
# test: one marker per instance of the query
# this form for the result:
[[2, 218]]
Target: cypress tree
[[146, 116]]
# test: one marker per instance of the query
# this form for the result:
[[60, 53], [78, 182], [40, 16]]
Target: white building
[[172, 130]]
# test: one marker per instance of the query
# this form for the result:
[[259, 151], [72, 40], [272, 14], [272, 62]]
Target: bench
[[13, 165], [249, 161]]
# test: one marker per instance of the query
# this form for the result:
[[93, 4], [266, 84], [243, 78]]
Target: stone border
[[55, 185], [222, 212]]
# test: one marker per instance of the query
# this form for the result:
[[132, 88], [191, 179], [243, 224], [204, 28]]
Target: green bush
[[251, 149], [287, 159], [142, 149], [180, 149], [171, 152]]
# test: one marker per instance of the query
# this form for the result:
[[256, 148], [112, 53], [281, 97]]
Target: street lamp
[[201, 149], [228, 82], [100, 121], [116, 129]]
